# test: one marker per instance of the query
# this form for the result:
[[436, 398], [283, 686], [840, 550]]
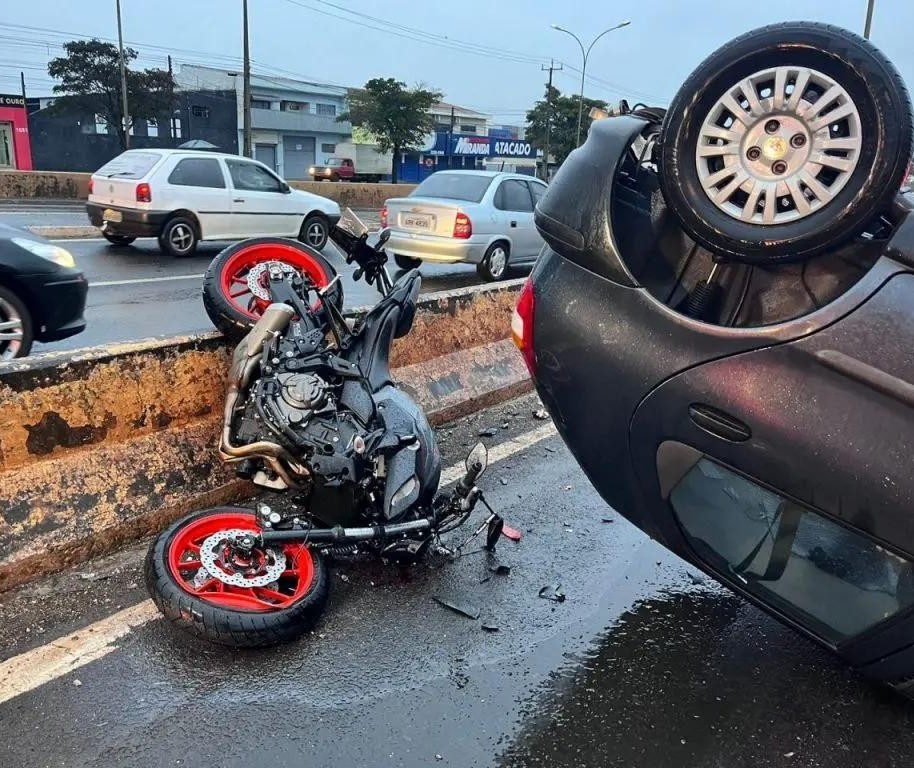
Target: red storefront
[[15, 150]]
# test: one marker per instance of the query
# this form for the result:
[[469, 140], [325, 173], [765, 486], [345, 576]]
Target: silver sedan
[[479, 217]]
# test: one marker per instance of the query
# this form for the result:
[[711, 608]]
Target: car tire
[[494, 265], [179, 237], [406, 262], [808, 183], [315, 231], [119, 240], [230, 626], [13, 312], [227, 312]]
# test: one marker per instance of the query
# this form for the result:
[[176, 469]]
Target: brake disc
[[260, 287], [255, 574]]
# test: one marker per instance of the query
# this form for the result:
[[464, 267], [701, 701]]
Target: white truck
[[353, 162]]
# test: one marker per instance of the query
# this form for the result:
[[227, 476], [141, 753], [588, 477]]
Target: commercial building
[[293, 122], [15, 147]]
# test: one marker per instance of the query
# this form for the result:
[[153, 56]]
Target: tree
[[397, 116], [564, 122], [90, 83]]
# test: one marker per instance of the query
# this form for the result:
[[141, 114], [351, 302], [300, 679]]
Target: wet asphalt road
[[644, 664]]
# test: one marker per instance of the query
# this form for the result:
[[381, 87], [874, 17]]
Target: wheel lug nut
[[771, 126], [779, 167], [797, 140], [753, 153]]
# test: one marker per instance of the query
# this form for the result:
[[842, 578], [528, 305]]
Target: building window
[[328, 110], [468, 129], [260, 104], [200, 111], [328, 148], [176, 132], [294, 106], [442, 127], [101, 125], [152, 127]]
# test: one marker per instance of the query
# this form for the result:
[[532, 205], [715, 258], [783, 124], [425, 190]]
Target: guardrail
[[106, 445]]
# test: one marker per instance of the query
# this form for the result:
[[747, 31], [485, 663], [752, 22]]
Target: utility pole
[[120, 44], [552, 68], [869, 18], [22, 81], [246, 96], [450, 140]]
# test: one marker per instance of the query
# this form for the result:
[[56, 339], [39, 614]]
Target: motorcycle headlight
[[60, 256]]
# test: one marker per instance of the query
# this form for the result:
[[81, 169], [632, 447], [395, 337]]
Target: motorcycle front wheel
[[236, 286], [276, 595]]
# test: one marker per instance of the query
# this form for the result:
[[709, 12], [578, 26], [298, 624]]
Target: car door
[[261, 205], [514, 204], [537, 189], [198, 184]]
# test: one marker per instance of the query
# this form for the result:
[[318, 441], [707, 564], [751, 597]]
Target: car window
[[129, 165], [454, 186], [513, 195], [538, 191], [197, 172], [252, 177]]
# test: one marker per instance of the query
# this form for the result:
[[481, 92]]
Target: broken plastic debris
[[540, 413], [696, 579], [469, 611], [489, 628], [504, 481], [511, 533], [609, 520], [553, 592], [488, 432]]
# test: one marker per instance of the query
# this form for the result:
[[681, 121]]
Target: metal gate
[[266, 154], [298, 156]]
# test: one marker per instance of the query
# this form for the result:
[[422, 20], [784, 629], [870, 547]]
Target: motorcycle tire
[[785, 142], [238, 617], [227, 297]]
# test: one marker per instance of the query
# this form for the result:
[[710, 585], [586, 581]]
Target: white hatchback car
[[184, 196], [481, 217]]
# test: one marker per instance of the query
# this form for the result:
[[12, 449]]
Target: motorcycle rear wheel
[[230, 291], [239, 617]]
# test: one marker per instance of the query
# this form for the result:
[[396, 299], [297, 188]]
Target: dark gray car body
[[812, 415]]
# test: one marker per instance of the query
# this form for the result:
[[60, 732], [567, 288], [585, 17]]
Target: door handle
[[238, 200], [513, 223]]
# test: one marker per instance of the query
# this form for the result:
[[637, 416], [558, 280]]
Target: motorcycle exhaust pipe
[[340, 535]]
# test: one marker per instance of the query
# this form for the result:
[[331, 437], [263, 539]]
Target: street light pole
[[125, 117], [869, 19], [585, 53], [246, 149]]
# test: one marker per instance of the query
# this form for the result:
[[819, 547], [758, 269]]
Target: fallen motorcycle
[[310, 411]]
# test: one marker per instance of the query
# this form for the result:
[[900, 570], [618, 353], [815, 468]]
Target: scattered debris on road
[[553, 592], [489, 627], [471, 612], [541, 414], [488, 432]]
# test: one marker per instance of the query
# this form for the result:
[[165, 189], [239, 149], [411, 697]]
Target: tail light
[[522, 326], [384, 217], [463, 227], [91, 186], [143, 193]]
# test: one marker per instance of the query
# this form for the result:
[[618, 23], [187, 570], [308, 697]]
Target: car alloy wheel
[[498, 260], [11, 330], [181, 237]]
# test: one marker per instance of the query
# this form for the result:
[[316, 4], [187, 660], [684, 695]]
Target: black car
[[42, 294], [738, 379]]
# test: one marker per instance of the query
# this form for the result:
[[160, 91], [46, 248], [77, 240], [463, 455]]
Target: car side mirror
[[285, 188]]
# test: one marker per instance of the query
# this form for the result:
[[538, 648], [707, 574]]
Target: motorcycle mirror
[[478, 459], [383, 237]]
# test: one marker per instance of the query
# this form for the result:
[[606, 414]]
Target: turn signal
[[143, 193], [91, 185], [384, 217], [463, 227], [522, 326]]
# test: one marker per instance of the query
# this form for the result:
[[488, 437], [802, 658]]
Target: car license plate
[[111, 215], [418, 221]]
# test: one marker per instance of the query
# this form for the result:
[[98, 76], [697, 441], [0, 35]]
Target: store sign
[[11, 100], [471, 145], [502, 148]]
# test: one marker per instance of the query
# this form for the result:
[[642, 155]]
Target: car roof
[[486, 174], [164, 151]]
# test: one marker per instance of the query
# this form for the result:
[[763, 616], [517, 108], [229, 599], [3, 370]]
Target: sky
[[483, 55]]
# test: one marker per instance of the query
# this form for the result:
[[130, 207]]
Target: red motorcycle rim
[[183, 555], [233, 279]]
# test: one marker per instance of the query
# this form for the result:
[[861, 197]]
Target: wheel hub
[[258, 278], [779, 145], [230, 557]]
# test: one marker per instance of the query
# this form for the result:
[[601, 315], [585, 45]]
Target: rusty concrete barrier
[[58, 185], [105, 445]]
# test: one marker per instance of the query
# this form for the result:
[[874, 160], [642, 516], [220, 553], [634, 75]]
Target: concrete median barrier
[[23, 185], [105, 445]]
